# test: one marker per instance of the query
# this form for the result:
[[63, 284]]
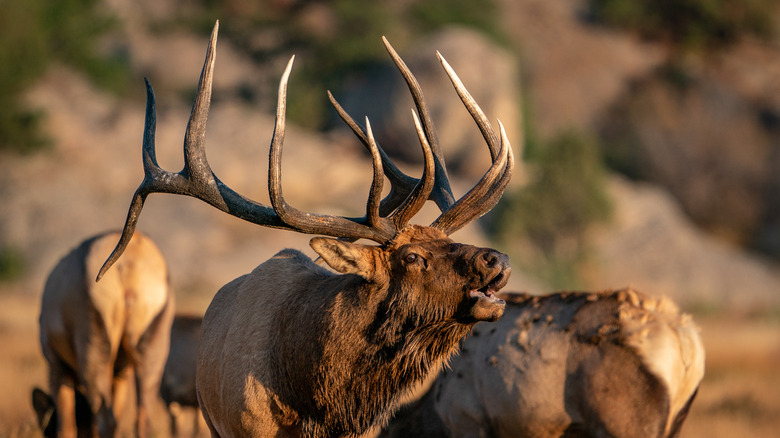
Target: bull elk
[[294, 349], [614, 363], [96, 336]]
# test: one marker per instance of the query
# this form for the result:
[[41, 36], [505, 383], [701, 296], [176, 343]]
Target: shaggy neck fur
[[375, 354]]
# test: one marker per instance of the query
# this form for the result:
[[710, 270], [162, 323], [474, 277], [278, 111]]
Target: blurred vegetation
[[544, 223], [11, 263], [35, 34], [696, 33], [690, 24], [481, 15], [341, 39]]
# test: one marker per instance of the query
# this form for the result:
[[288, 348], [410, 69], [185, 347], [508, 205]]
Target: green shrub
[[479, 14], [690, 23], [11, 263], [349, 47], [544, 223], [35, 34], [23, 57]]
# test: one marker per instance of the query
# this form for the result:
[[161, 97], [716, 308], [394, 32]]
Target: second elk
[[103, 340], [613, 363], [294, 349], [177, 388]]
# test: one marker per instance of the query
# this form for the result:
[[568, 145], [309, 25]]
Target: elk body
[[177, 388], [97, 336], [294, 349], [569, 364]]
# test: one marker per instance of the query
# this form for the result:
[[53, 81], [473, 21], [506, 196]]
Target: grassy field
[[740, 395]]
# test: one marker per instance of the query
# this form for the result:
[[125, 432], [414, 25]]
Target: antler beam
[[383, 219]]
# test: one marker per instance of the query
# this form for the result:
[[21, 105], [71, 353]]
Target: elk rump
[[95, 337], [613, 363]]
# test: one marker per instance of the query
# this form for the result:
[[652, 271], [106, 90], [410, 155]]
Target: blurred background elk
[[101, 340], [293, 349], [613, 363], [177, 387]]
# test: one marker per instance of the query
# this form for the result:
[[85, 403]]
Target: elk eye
[[410, 258]]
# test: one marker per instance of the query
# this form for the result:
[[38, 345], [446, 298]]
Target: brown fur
[[95, 336], [177, 388], [46, 412], [292, 349], [568, 364]]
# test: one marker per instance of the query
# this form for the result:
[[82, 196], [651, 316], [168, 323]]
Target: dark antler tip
[[108, 263]]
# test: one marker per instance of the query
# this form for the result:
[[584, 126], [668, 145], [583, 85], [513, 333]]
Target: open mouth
[[489, 290]]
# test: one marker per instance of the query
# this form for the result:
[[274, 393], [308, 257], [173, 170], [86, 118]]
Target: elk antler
[[383, 220], [480, 199]]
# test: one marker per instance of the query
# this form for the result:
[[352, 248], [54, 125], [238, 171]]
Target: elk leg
[[149, 360], [197, 422], [120, 386], [174, 411], [64, 393], [145, 395], [123, 370], [96, 377]]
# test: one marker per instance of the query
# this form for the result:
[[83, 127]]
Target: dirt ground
[[740, 395]]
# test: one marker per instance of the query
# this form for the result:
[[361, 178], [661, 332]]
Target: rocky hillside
[[573, 74]]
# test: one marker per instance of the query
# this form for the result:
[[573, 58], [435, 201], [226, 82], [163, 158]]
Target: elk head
[[385, 221]]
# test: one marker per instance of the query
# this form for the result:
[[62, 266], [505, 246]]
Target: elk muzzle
[[493, 270]]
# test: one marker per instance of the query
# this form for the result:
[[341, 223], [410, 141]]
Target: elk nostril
[[490, 259]]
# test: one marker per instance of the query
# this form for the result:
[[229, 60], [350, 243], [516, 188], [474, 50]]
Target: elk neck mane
[[369, 345]]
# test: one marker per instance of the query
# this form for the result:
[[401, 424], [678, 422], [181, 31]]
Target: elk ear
[[43, 405], [345, 257]]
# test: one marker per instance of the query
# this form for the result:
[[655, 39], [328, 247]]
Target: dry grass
[[22, 366], [740, 396]]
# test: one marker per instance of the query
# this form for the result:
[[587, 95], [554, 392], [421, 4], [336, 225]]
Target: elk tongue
[[488, 291], [485, 293]]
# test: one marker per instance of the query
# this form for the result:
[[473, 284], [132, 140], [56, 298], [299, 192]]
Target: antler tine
[[442, 193], [422, 191], [494, 194], [375, 194], [473, 108], [195, 164], [407, 194], [136, 204], [151, 170], [350, 228], [482, 197], [401, 184]]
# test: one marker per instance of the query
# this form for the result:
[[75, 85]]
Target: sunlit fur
[[97, 336], [613, 363], [293, 349]]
